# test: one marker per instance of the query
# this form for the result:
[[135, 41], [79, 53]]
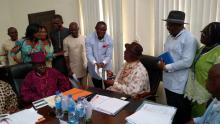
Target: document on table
[[27, 116], [152, 114], [107, 105]]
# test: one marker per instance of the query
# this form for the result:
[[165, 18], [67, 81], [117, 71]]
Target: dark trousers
[[98, 83], [183, 105], [60, 65]]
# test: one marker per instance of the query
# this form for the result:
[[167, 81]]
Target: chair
[[16, 74], [154, 73]]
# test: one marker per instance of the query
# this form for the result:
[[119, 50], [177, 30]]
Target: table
[[98, 117]]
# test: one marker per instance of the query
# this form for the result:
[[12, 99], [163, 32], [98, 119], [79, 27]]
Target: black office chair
[[16, 74], [154, 73]]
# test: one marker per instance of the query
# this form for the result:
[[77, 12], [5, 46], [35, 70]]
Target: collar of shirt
[[102, 40], [181, 32], [216, 105]]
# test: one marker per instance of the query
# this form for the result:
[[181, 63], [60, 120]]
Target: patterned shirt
[[35, 87], [26, 49], [131, 79], [8, 99]]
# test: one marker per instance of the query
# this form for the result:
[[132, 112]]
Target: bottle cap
[[57, 92]]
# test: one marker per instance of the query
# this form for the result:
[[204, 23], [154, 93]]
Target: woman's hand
[[17, 60], [109, 82], [141, 95], [109, 73]]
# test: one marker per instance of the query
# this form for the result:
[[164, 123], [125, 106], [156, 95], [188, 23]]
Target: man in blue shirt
[[212, 113], [99, 48]]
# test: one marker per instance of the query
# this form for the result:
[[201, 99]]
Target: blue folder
[[166, 57]]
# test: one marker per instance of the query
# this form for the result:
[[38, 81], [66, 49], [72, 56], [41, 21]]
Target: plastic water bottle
[[64, 104], [88, 110], [72, 117], [58, 105], [80, 108]]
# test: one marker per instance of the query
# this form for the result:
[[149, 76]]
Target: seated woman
[[132, 78], [42, 81], [8, 99]]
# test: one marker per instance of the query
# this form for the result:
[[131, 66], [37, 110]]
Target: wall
[[16, 13], [138, 23], [5, 20]]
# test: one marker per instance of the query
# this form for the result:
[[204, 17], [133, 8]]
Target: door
[[42, 18]]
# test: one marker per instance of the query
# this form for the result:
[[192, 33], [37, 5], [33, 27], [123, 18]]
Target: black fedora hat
[[176, 17]]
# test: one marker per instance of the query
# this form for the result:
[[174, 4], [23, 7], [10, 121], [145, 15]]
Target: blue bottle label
[[58, 105]]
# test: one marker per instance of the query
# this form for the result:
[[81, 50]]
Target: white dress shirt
[[182, 49]]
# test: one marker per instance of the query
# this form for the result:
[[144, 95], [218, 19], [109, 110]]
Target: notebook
[[77, 93], [149, 113], [166, 57], [107, 105]]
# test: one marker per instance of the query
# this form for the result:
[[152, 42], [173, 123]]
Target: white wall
[[15, 13], [5, 19], [138, 23]]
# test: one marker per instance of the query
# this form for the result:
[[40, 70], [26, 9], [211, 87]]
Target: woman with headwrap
[[206, 57]]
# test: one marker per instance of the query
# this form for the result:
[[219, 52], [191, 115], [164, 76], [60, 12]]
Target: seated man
[[212, 113], [132, 79], [42, 81], [8, 99]]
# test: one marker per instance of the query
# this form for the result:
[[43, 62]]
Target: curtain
[[89, 15], [112, 13], [199, 13], [141, 20]]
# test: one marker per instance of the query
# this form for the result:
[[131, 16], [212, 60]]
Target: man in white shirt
[[8, 45], [75, 53], [182, 46], [99, 49]]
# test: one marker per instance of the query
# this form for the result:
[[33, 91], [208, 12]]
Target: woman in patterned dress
[[28, 45], [132, 78]]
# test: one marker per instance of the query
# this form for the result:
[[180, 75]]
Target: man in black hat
[[181, 45]]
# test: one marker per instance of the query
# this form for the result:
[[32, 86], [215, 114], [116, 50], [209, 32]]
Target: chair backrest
[[154, 73], [17, 74]]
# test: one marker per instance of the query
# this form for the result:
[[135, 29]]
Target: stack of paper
[[27, 116], [152, 114], [107, 105]]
